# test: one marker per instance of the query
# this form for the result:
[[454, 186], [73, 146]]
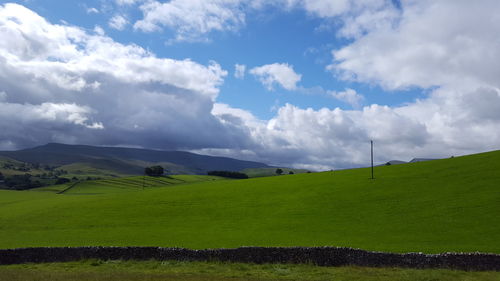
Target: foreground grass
[[433, 207], [194, 271]]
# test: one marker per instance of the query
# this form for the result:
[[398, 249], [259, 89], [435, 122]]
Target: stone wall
[[323, 256]]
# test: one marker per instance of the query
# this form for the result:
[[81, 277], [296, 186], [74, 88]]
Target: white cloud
[[71, 113], [99, 30], [194, 20], [356, 16], [92, 10], [118, 22], [127, 2], [63, 55], [55, 113], [349, 96], [277, 73], [239, 71], [324, 8], [430, 44], [235, 116], [447, 44], [336, 138], [191, 19], [64, 84]]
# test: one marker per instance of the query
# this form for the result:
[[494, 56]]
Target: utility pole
[[371, 143]]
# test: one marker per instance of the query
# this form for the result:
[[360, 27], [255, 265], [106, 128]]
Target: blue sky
[[270, 35], [321, 78]]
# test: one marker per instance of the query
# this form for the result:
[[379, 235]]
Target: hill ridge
[[127, 160]]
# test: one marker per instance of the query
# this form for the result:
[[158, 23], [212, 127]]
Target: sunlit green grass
[[124, 184], [136, 183], [435, 206], [53, 188], [83, 170], [195, 271]]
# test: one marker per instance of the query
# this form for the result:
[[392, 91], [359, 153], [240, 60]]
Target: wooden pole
[[371, 143]]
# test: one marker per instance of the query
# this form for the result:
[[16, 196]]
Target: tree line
[[228, 174]]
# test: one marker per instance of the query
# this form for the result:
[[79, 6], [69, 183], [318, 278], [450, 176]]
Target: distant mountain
[[125, 160], [395, 162], [420, 160]]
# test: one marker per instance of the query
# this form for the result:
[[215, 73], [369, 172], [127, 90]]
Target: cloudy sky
[[302, 83]]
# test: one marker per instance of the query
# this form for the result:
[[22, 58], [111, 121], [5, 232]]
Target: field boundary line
[[321, 256], [68, 188]]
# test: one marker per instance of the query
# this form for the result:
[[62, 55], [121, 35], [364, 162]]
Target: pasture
[[436, 206], [196, 271]]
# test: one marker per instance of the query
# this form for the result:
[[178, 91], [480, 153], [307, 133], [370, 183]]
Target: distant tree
[[154, 171], [228, 174], [279, 171], [21, 182], [1, 177], [290, 173], [62, 181], [158, 170]]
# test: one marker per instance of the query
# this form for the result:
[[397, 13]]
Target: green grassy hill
[[124, 161], [434, 206], [7, 166], [136, 183], [268, 172]]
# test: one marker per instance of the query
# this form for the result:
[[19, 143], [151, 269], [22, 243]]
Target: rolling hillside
[[434, 206], [124, 161], [268, 172], [126, 184]]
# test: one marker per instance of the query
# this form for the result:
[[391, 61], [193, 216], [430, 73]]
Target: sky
[[296, 83]]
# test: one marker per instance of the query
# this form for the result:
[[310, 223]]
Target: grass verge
[[194, 271]]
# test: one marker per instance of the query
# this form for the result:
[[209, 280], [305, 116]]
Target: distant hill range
[[397, 162], [86, 159]]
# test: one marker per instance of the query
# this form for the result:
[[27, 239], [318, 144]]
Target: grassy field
[[435, 206], [53, 188], [112, 169], [268, 172], [197, 271], [11, 172], [136, 183], [125, 184]]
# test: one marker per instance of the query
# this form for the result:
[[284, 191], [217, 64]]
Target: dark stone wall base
[[322, 256]]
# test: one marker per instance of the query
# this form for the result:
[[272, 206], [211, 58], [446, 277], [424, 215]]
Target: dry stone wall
[[323, 256]]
